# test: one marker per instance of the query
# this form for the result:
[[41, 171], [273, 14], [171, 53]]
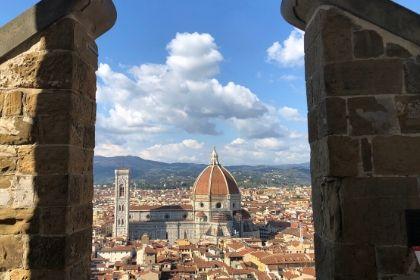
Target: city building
[[215, 210]]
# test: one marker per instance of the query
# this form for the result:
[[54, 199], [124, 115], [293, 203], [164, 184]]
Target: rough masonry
[[48, 59], [363, 92]]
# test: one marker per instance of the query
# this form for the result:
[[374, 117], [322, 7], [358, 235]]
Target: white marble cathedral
[[215, 210]]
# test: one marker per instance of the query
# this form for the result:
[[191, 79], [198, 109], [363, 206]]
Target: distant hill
[[160, 174]]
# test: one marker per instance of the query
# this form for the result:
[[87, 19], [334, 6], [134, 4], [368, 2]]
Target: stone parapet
[[362, 73], [47, 138]]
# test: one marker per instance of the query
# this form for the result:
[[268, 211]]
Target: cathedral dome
[[215, 180]]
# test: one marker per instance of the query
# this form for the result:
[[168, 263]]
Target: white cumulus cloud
[[291, 52], [188, 150], [291, 114]]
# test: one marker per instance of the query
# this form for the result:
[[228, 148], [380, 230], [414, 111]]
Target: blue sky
[[177, 77]]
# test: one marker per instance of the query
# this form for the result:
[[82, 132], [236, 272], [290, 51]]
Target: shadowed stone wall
[[363, 94], [47, 137]]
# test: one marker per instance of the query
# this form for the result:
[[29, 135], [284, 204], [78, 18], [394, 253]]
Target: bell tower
[[122, 200]]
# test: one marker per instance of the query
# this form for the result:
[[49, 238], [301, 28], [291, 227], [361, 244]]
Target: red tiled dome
[[215, 180]]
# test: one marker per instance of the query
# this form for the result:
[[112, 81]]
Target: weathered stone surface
[[328, 118], [12, 251], [17, 221], [326, 203], [394, 259], [372, 115], [55, 246], [394, 50], [354, 261], [366, 150], [5, 181], [335, 156], [11, 103], [51, 70], [412, 74], [46, 159], [80, 218], [78, 245], [15, 130], [408, 111], [364, 77], [396, 155], [367, 44], [8, 158], [67, 34], [333, 29]]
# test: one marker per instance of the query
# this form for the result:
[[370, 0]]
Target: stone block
[[8, 159], [354, 261], [326, 204], [51, 70], [315, 89], [12, 251], [372, 115], [364, 77], [363, 210], [56, 248], [11, 103], [15, 130], [6, 181], [335, 156], [43, 160], [80, 218], [17, 221], [396, 155], [334, 30], [380, 187], [53, 220], [366, 152], [52, 190], [58, 130], [23, 192], [367, 44], [394, 259], [78, 246], [394, 50], [412, 74], [408, 111], [48, 102], [68, 34], [327, 118]]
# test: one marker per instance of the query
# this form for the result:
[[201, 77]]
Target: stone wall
[[47, 137], [47, 94], [364, 130]]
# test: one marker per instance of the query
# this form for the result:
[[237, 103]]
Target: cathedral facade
[[215, 210]]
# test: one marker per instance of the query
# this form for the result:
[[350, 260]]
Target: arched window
[[121, 193], [233, 205], [201, 204]]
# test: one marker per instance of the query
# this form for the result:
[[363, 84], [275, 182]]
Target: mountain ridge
[[156, 174]]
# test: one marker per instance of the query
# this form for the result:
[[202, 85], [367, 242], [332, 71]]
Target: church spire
[[214, 157]]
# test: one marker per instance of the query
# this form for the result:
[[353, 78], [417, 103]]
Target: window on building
[[201, 204], [166, 216], [121, 190], [218, 205]]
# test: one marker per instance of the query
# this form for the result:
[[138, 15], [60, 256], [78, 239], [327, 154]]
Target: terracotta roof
[[215, 180]]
